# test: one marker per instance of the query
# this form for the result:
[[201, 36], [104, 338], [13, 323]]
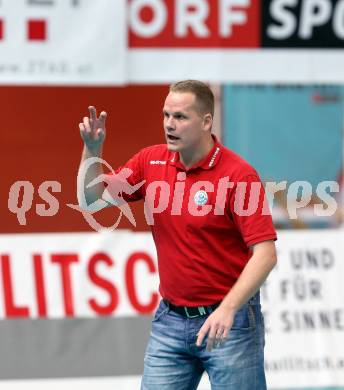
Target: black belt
[[194, 311]]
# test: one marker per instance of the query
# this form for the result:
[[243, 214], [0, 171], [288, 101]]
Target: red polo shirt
[[201, 234]]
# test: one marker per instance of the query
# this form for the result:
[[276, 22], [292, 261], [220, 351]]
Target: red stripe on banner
[[40, 286], [36, 30], [65, 260], [130, 282], [11, 309], [1, 29], [208, 24], [106, 285]]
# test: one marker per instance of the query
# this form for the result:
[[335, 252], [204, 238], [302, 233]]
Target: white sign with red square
[[62, 42]]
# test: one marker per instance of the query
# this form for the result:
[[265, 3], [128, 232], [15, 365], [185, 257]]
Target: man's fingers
[[217, 326], [201, 334], [82, 130], [93, 112], [211, 338], [225, 333], [200, 338], [100, 135], [87, 125], [210, 344], [102, 117], [219, 333], [220, 338]]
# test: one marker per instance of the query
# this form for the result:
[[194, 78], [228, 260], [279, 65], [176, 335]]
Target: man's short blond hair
[[203, 94]]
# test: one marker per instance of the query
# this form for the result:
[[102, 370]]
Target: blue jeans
[[174, 362]]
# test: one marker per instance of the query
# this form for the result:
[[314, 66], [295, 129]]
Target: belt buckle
[[201, 311]]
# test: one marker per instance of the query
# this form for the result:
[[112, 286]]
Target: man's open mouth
[[172, 137]]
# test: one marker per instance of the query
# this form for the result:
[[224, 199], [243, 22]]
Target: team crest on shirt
[[201, 198]]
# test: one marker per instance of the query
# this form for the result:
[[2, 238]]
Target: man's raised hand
[[92, 130]]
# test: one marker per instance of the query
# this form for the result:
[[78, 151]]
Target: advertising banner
[[85, 300], [304, 312], [83, 42], [77, 275], [62, 42], [242, 41]]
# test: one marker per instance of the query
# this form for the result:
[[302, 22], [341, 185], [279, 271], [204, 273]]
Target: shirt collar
[[208, 162]]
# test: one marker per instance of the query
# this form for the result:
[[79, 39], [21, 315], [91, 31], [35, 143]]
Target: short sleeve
[[249, 210]]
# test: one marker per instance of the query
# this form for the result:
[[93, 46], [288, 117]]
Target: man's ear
[[207, 121]]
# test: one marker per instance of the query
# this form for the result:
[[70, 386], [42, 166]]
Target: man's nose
[[170, 124]]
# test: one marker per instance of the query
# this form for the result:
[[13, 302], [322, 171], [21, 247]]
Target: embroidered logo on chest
[[201, 198]]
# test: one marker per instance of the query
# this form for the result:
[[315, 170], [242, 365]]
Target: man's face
[[184, 126]]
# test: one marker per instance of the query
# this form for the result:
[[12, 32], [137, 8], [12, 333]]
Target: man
[[215, 247]]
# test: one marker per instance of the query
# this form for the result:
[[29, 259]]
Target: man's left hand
[[217, 326]]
